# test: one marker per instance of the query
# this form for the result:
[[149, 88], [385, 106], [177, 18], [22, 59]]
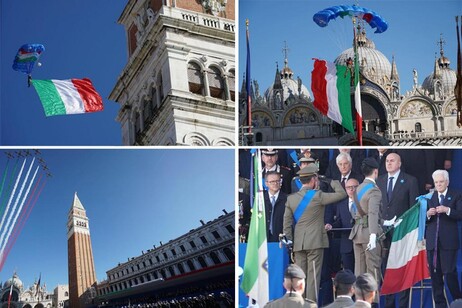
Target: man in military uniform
[[296, 184], [367, 229], [304, 215], [294, 283], [343, 289], [365, 289], [270, 158]]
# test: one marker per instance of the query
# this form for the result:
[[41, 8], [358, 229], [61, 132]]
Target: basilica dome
[[448, 79], [373, 64], [17, 282], [292, 90], [442, 80]]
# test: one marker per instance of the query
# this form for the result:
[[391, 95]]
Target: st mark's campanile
[[80, 255]]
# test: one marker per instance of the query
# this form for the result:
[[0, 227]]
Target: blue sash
[[298, 183], [363, 191], [293, 154], [303, 204]]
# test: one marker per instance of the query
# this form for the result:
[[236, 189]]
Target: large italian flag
[[407, 261], [255, 279], [330, 84], [69, 96]]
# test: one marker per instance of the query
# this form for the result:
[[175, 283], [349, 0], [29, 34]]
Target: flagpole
[[458, 87], [248, 86], [359, 120]]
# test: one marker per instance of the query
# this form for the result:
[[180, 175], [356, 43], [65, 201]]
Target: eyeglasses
[[274, 182], [351, 187]]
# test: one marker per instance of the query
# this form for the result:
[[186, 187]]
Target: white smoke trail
[[2, 237], [17, 213], [12, 195]]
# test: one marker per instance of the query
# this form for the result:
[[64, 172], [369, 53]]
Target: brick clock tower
[[80, 255]]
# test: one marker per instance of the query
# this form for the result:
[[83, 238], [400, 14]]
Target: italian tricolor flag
[[69, 96], [407, 261], [255, 279], [330, 84]]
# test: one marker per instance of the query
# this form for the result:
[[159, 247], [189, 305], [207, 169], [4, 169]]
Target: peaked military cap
[[345, 277], [371, 163], [294, 271], [269, 151], [308, 170]]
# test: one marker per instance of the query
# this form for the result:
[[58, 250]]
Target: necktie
[[273, 202], [435, 253], [343, 182], [390, 187], [353, 208]]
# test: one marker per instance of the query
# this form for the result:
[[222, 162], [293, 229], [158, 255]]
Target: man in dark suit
[[357, 156], [399, 191], [275, 204], [442, 238], [344, 220], [270, 158], [380, 155]]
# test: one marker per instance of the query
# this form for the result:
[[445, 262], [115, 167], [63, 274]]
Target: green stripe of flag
[[344, 100], [409, 223], [49, 96]]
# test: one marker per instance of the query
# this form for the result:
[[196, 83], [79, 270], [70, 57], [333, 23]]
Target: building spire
[[285, 51], [394, 70], [443, 62]]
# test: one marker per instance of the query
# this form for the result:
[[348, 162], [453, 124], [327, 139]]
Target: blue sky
[[133, 198], [414, 28], [82, 39]]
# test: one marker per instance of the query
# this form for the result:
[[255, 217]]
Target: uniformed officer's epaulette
[[284, 167]]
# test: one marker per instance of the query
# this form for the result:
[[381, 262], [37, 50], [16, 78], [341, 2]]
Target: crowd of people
[[214, 294], [335, 213]]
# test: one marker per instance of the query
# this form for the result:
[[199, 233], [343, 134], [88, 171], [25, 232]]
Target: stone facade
[[424, 115], [177, 87]]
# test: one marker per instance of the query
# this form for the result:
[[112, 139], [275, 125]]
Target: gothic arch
[[450, 106], [417, 106], [216, 81], [196, 139], [301, 114], [262, 118], [232, 83], [196, 82]]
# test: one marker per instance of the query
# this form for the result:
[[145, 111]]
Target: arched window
[[172, 272], [214, 257], [137, 123], [180, 268], [162, 272], [418, 127], [228, 253], [161, 87], [259, 137], [202, 262], [66, 294], [195, 79], [231, 80], [190, 265], [147, 111], [215, 83]]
